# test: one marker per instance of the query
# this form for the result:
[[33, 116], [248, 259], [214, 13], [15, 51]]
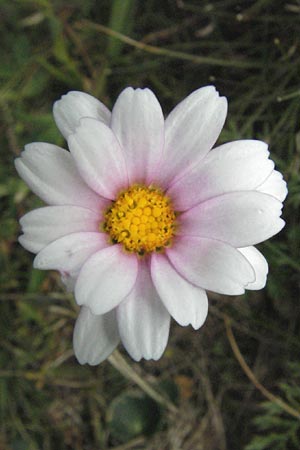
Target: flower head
[[145, 216]]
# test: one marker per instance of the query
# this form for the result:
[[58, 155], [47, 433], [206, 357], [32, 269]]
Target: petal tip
[[18, 164], [38, 262]]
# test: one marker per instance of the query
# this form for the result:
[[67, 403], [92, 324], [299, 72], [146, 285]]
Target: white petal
[[50, 172], [260, 266], [138, 123], [69, 280], [212, 265], [143, 320], [191, 130], [72, 107], [186, 302], [95, 337], [236, 166], [238, 218], [69, 253], [274, 185], [99, 157], [106, 279], [44, 225]]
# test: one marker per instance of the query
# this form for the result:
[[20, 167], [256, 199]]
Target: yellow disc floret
[[142, 219]]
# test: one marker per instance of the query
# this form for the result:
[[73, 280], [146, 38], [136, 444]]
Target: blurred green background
[[251, 51]]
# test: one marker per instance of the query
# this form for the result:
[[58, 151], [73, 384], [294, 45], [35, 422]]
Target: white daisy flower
[[145, 216]]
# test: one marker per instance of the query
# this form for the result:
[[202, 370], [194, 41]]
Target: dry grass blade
[[273, 398], [205, 60]]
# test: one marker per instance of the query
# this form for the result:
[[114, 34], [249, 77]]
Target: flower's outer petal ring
[[235, 166], [143, 320], [186, 302], [238, 218], [45, 225], [73, 106], [50, 172], [210, 264], [69, 253], [106, 279], [191, 130], [95, 337], [99, 158], [274, 185], [260, 266], [138, 123]]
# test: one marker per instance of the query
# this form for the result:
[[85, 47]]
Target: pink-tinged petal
[[74, 106], [186, 302], [274, 185], [191, 130], [143, 320], [236, 166], [44, 225], [238, 218], [95, 337], [210, 264], [69, 253], [260, 266], [99, 158], [138, 123], [50, 172], [106, 279]]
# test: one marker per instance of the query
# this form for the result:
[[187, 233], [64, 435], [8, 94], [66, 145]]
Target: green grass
[[250, 51]]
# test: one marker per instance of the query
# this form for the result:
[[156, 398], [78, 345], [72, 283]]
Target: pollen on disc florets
[[142, 219]]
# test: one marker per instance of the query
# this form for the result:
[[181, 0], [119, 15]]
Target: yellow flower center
[[142, 219]]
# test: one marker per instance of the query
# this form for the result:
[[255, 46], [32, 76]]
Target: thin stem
[[165, 52], [289, 96], [117, 360], [273, 398], [137, 442]]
